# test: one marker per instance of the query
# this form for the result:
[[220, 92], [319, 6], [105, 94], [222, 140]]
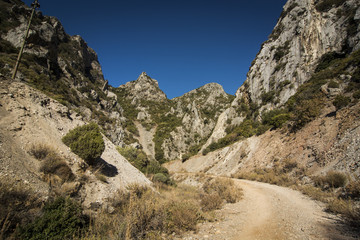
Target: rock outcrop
[[143, 89]]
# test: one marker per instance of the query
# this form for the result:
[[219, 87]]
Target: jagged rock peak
[[145, 88], [213, 87], [144, 77], [210, 89]]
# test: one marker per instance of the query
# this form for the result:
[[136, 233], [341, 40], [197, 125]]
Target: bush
[[289, 165], [326, 5], [40, 151], [161, 178], [210, 201], [183, 216], [341, 101], [136, 157], [267, 97], [275, 118], [356, 94], [333, 84], [61, 219], [352, 190], [18, 205], [225, 188], [54, 164], [331, 179], [348, 210], [86, 141], [327, 59], [305, 111], [282, 51]]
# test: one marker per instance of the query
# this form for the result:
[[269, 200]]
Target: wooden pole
[[34, 5]]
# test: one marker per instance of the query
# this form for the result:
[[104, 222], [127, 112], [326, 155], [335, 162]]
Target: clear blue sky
[[183, 44]]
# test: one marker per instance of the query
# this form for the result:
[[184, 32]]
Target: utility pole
[[34, 6]]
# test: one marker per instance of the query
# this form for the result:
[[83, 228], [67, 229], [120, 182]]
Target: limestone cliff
[[305, 31], [199, 110]]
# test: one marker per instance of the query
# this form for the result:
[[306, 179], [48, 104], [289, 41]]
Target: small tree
[[86, 142], [341, 101]]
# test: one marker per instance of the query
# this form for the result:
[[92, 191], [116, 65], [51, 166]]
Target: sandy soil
[[271, 212]]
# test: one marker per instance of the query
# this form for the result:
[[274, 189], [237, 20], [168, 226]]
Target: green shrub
[[186, 157], [305, 112], [7, 47], [275, 118], [327, 59], [267, 97], [86, 141], [333, 84], [326, 5], [282, 51], [18, 205], [161, 178], [155, 167], [356, 94], [136, 157], [341, 101], [61, 219]]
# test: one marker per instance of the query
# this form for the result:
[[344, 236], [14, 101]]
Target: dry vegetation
[[138, 213], [18, 205], [142, 213], [51, 162]]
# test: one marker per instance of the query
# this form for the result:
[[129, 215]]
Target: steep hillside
[[30, 118], [306, 33]]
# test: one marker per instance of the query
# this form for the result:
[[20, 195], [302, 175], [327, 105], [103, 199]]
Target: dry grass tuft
[[141, 213], [273, 176], [352, 190], [225, 188], [40, 151], [331, 179], [211, 201], [54, 164], [347, 209], [316, 193]]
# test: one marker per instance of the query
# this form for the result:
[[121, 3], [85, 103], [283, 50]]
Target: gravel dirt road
[[272, 212]]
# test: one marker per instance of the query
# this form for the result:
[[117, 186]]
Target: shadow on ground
[[106, 168]]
